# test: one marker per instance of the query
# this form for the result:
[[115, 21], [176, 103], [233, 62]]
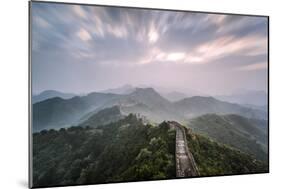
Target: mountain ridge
[[199, 105], [47, 94], [145, 101]]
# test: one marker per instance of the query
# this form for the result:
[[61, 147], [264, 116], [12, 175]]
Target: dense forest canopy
[[127, 150]]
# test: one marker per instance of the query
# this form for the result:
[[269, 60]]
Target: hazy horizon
[[81, 49], [159, 89]]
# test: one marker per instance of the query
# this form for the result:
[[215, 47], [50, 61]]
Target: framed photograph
[[122, 94]]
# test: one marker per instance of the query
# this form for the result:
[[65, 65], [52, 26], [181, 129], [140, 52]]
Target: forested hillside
[[126, 150], [236, 131], [213, 158]]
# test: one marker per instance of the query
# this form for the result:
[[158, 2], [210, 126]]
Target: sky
[[82, 49]]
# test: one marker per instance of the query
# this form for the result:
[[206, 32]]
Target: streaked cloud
[[99, 37], [153, 35], [84, 35], [78, 10], [227, 46], [253, 67], [216, 19], [41, 22], [119, 32]]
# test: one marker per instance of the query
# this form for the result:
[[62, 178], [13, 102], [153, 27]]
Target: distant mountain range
[[197, 105], [50, 94], [58, 112], [165, 92], [257, 98], [250, 98], [174, 96], [125, 89]]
